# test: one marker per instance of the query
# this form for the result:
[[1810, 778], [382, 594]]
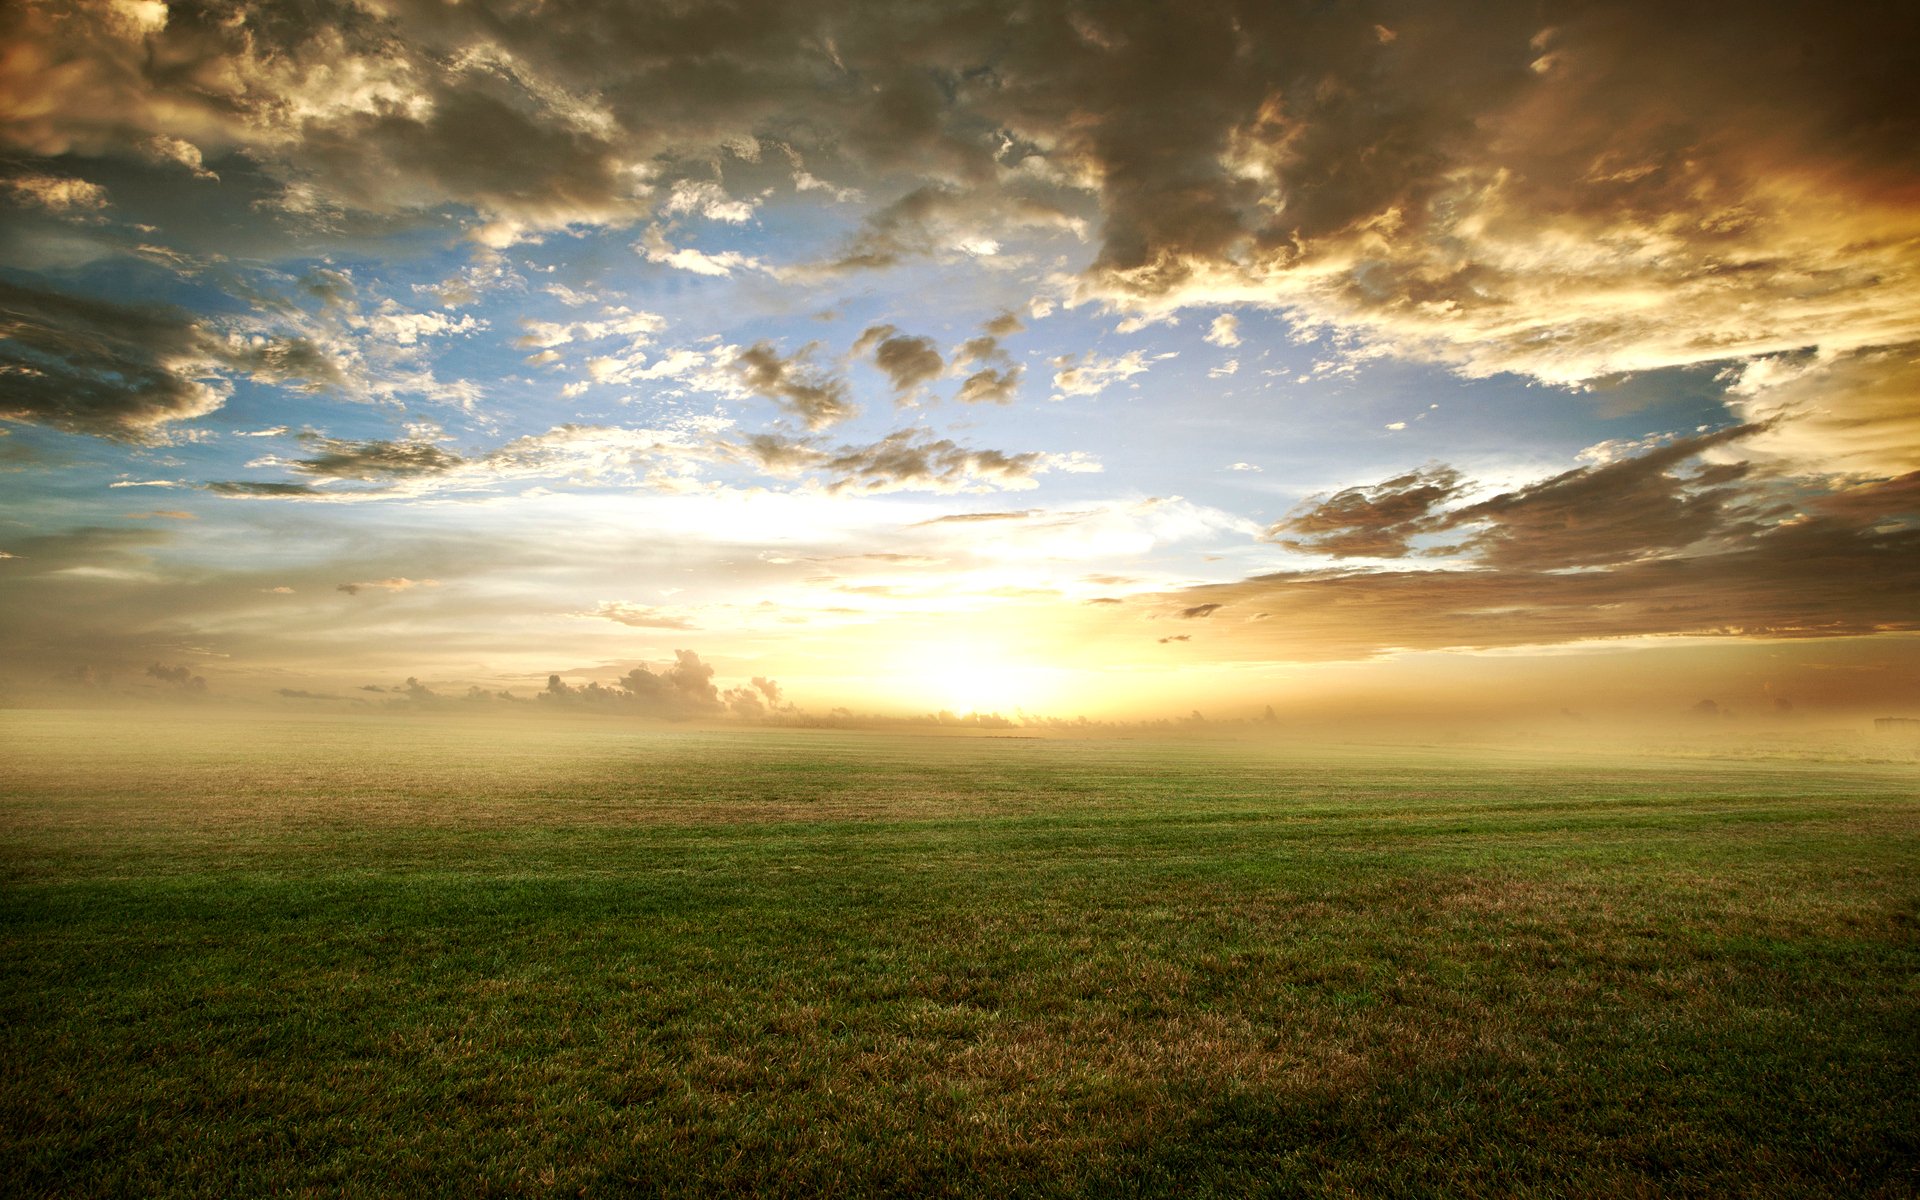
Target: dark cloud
[[294, 360], [1371, 522], [816, 398], [1623, 510], [907, 228], [178, 676], [1879, 500], [117, 371], [1631, 508], [905, 460], [915, 459], [909, 362], [984, 348], [990, 386], [1638, 547], [244, 487], [1199, 610], [374, 460], [334, 289], [127, 371], [1816, 579]]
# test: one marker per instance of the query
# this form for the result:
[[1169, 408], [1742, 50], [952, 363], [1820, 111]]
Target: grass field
[[372, 957]]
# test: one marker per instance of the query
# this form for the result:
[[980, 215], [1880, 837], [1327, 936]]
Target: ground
[[372, 956]]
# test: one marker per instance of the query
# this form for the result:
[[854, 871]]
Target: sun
[[973, 676]]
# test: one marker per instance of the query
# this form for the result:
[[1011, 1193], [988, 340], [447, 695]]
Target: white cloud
[[710, 200], [1090, 374], [655, 247], [391, 323], [619, 322], [1225, 331]]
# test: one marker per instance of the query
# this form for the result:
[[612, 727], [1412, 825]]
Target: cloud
[[99, 551], [985, 348], [990, 386], [682, 691], [1635, 508], [706, 198], [914, 225], [1820, 578], [998, 379], [656, 249], [295, 360], [180, 677], [1225, 331], [975, 518], [818, 400], [909, 362], [1567, 200], [413, 694], [167, 149], [665, 459], [1851, 414], [759, 699], [373, 460], [391, 323], [1090, 374], [56, 193], [547, 334], [241, 488], [909, 460], [1372, 522], [116, 371], [126, 372], [1656, 544], [1565, 203], [641, 617], [398, 584], [1627, 508]]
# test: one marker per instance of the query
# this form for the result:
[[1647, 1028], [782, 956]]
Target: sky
[[1110, 360]]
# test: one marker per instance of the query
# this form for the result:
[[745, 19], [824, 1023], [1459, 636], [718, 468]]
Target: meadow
[[389, 956]]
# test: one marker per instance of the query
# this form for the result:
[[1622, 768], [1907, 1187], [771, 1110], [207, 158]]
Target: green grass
[[376, 957]]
